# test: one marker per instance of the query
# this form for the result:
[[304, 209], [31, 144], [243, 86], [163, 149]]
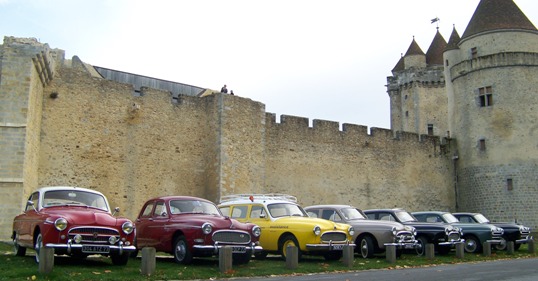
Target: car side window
[[330, 215], [35, 199], [239, 212], [386, 217], [465, 219], [147, 210], [225, 211], [160, 210], [256, 212], [312, 213], [371, 216]]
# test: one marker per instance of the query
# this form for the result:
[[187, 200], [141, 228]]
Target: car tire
[[118, 259], [37, 246], [288, 240], [18, 249], [516, 246], [366, 247], [472, 244], [182, 254], [420, 249], [502, 245]]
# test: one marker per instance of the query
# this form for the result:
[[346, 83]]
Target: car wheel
[[19, 250], [134, 254], [501, 246], [181, 251], [241, 258], [472, 244], [421, 245], [288, 240], [118, 259], [37, 246], [366, 247]]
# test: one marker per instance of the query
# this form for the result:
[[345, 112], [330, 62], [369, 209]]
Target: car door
[[158, 227], [143, 225], [28, 220]]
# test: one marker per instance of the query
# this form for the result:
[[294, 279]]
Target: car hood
[[375, 223], [219, 222], [426, 225], [308, 221], [85, 216], [474, 226]]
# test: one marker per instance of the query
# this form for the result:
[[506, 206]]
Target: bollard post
[[292, 257], [225, 259], [460, 250], [348, 255], [147, 266], [430, 251], [531, 246], [486, 248], [46, 260], [390, 252], [510, 247]]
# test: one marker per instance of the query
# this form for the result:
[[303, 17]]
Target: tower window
[[485, 96], [509, 184], [474, 53], [446, 62], [407, 114], [430, 129], [482, 144]]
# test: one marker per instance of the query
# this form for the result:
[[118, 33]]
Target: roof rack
[[268, 196]]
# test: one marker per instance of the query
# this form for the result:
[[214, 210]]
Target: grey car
[[370, 235]]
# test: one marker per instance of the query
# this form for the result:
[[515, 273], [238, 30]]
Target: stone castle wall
[[100, 134]]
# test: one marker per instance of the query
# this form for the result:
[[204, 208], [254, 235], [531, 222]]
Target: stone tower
[[417, 90], [492, 76]]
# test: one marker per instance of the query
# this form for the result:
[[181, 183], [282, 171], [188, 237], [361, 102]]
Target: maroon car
[[74, 221], [188, 227]]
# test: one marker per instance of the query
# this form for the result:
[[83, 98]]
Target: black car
[[517, 233], [444, 237]]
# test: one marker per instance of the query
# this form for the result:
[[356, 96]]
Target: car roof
[[51, 188], [178, 197], [333, 206], [257, 198], [430, 212], [384, 210]]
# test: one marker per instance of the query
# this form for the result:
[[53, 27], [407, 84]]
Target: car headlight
[[317, 230], [256, 231], [60, 224], [207, 228], [351, 230], [127, 227]]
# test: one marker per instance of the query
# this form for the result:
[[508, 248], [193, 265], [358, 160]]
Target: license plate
[[409, 246], [95, 249], [338, 247], [239, 249]]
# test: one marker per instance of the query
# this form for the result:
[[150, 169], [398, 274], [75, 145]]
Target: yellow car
[[284, 223]]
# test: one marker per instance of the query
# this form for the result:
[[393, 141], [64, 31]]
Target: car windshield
[[193, 206], [450, 218], [404, 216], [481, 218], [74, 198], [352, 214], [285, 209]]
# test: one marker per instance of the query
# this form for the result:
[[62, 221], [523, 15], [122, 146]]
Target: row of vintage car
[[79, 222]]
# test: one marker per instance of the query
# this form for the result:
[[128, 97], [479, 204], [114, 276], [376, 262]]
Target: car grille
[[524, 232], [334, 237], [454, 236], [405, 237], [231, 237], [93, 235]]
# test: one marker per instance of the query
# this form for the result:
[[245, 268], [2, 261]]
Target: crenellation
[[294, 121], [326, 126]]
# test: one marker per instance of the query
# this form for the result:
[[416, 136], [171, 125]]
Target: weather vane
[[436, 20]]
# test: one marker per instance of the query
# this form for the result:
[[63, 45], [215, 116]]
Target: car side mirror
[[31, 203], [262, 216], [116, 210]]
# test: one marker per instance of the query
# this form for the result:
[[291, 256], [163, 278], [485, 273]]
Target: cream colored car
[[284, 222]]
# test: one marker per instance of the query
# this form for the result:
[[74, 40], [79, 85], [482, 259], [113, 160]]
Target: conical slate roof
[[453, 40], [414, 49], [434, 55], [399, 66], [497, 14]]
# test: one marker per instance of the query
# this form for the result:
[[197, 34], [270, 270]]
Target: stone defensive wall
[[83, 130], [323, 164]]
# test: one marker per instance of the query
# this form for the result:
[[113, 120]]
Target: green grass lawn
[[101, 268]]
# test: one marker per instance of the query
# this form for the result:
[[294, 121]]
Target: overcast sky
[[317, 59]]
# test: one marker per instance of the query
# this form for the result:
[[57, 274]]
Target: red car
[[188, 227], [74, 221]]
